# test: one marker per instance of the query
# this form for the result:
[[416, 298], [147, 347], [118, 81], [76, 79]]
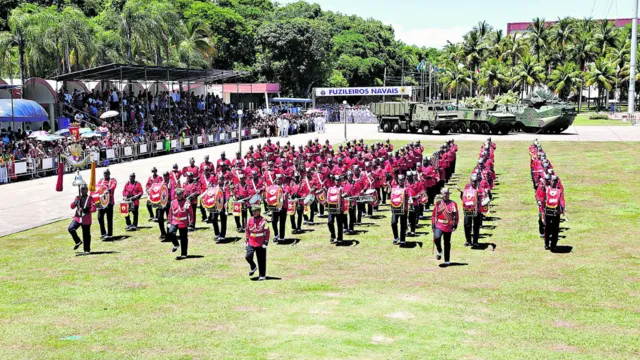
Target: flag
[[478, 70], [421, 66], [435, 68], [585, 68], [549, 69]]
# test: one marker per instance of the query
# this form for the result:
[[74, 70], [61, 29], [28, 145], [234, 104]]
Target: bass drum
[[101, 197], [158, 195], [213, 200], [275, 198]]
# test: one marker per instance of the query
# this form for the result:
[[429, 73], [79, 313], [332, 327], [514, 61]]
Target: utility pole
[[384, 81], [402, 78], [430, 71], [632, 73]]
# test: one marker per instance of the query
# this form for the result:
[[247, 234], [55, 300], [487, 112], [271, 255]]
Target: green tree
[[19, 34], [581, 52], [455, 78], [564, 79], [474, 48], [538, 36], [562, 35], [605, 37], [492, 76], [196, 49], [602, 74], [529, 73]]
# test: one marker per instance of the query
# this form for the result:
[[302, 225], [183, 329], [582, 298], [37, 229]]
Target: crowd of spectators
[[357, 114], [144, 117]]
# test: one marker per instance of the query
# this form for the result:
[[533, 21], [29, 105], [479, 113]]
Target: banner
[[365, 91]]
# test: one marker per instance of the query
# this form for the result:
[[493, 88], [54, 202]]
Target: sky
[[432, 23]]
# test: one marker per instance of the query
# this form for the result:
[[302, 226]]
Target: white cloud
[[431, 37]]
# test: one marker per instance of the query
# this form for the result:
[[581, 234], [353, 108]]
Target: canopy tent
[[21, 110], [127, 72], [291, 100]]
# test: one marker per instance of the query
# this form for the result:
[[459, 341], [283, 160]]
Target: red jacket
[[152, 180], [179, 213], [257, 231], [130, 190], [89, 208], [445, 215]]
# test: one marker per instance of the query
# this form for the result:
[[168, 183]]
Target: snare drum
[[124, 208], [101, 197], [309, 199], [158, 195], [255, 200]]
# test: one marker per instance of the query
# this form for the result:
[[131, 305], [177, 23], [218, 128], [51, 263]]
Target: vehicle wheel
[[396, 128], [504, 131], [475, 128], [495, 131], [426, 129], [462, 128], [413, 130], [444, 131], [485, 129], [386, 126]]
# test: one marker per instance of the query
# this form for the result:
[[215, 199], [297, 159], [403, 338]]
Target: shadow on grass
[[145, 227], [489, 227], [562, 249], [452, 264], [347, 243], [304, 231], [292, 241], [378, 217], [358, 232], [255, 278], [192, 257], [369, 224], [117, 238], [411, 245], [484, 246], [98, 253], [484, 236], [491, 218], [229, 240]]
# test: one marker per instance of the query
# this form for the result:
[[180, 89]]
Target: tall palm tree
[[19, 35], [603, 75], [495, 43], [581, 52], [135, 26], [492, 76], [561, 36], [483, 28], [197, 47], [538, 36], [454, 78], [528, 74], [564, 79], [605, 37], [6, 56], [474, 53]]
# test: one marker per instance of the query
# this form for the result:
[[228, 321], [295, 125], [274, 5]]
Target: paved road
[[29, 204]]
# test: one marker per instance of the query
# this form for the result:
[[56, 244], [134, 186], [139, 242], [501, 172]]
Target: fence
[[38, 167]]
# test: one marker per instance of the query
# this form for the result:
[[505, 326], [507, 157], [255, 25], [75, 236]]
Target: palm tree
[[492, 76], [455, 76], [539, 36], [473, 52], [605, 37], [528, 73], [603, 75], [581, 52], [19, 34], [564, 79], [197, 46], [495, 43], [6, 55], [135, 26], [483, 28], [561, 36]]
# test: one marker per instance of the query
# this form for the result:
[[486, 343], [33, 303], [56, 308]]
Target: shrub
[[598, 117]]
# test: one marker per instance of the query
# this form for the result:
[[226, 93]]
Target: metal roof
[[115, 72]]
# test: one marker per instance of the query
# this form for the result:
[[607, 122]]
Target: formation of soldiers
[[347, 183], [476, 195], [549, 194]]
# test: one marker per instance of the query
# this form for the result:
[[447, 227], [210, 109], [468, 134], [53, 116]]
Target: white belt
[[443, 221], [181, 218], [257, 234]]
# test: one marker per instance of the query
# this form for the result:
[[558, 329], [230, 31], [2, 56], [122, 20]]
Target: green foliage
[[595, 116], [510, 97], [474, 102]]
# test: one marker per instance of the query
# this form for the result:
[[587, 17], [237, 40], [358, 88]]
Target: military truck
[[413, 116], [541, 113], [487, 120]]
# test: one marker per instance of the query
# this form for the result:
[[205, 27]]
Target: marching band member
[[240, 193], [335, 191], [279, 218], [206, 180], [223, 161], [160, 213], [175, 175], [295, 192], [153, 179], [257, 234], [554, 206], [206, 164], [351, 190], [178, 217], [192, 168], [220, 232], [472, 197], [541, 191], [132, 192], [444, 221], [413, 191], [309, 186], [84, 207], [399, 199], [191, 191], [111, 184], [238, 160]]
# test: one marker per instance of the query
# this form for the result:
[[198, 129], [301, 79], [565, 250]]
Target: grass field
[[583, 120], [368, 300]]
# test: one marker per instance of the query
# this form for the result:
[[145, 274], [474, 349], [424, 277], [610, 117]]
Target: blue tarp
[[24, 110], [291, 100]]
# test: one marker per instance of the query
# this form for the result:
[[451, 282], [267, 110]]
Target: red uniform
[[111, 184], [257, 231], [207, 165], [192, 169], [179, 213], [131, 190], [237, 161], [220, 162], [445, 215], [153, 180], [89, 207]]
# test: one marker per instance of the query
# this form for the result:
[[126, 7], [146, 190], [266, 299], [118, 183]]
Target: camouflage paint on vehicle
[[485, 121], [413, 116]]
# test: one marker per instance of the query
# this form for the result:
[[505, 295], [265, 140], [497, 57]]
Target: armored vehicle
[[412, 116], [541, 113], [484, 121]]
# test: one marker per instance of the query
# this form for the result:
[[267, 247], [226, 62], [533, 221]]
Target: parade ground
[[366, 299]]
